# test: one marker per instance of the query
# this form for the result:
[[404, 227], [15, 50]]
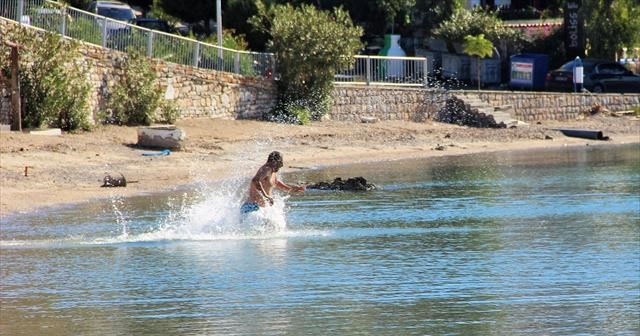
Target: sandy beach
[[38, 171]]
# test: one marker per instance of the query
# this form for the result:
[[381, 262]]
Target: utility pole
[[219, 26]]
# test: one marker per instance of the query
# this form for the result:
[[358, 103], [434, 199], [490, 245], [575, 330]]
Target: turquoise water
[[525, 243]]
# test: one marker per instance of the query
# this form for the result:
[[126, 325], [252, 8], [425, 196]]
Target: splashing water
[[116, 204], [212, 210], [213, 213]]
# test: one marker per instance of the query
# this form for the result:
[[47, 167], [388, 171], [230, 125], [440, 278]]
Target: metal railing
[[126, 37], [385, 70]]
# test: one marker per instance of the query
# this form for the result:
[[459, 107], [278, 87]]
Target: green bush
[[169, 112], [290, 113], [310, 46], [54, 87], [134, 97], [475, 22]]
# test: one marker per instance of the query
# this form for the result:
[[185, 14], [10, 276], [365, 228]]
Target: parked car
[[598, 76], [155, 24], [114, 10]]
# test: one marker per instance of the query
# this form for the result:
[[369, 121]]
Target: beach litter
[[583, 133], [163, 152]]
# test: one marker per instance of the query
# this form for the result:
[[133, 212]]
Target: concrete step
[[503, 108], [502, 117], [501, 113], [485, 110]]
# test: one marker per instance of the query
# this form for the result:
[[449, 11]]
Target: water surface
[[518, 243]]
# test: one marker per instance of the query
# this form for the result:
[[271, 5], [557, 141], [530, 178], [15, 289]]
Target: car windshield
[[587, 66], [611, 69], [122, 14]]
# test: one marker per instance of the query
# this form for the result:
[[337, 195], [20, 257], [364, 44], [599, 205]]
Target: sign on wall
[[573, 29], [522, 73]]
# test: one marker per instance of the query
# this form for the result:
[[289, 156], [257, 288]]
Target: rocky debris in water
[[457, 112], [351, 184], [110, 181]]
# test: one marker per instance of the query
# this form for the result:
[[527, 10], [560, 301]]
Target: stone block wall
[[196, 92], [351, 103], [533, 106]]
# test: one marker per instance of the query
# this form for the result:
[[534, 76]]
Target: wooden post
[[16, 116]]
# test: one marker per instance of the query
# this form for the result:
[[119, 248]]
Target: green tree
[[480, 47], [236, 17], [465, 22], [396, 11], [433, 12], [54, 87], [611, 25], [310, 46]]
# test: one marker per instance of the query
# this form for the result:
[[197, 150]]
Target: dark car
[[598, 76], [155, 24]]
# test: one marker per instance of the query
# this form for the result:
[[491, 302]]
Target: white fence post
[[150, 44], [104, 33], [425, 71], [20, 11], [368, 66], [63, 27], [236, 63], [196, 53]]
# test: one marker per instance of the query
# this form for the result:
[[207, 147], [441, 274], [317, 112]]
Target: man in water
[[263, 183]]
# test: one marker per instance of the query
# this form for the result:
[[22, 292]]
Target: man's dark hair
[[275, 157]]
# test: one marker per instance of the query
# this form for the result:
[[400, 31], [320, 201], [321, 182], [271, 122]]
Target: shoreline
[[68, 170]]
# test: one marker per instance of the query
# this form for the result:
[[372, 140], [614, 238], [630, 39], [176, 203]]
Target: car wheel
[[598, 89]]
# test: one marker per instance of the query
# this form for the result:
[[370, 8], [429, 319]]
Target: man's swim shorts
[[248, 207]]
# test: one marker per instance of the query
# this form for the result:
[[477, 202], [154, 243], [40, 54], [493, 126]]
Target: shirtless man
[[263, 183]]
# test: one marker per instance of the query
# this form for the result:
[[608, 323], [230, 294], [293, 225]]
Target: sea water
[[511, 243]]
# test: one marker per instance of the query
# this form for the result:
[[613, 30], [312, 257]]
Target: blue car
[[598, 76]]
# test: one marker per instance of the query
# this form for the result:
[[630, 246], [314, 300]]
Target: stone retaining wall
[[533, 106], [393, 103], [196, 92], [352, 103]]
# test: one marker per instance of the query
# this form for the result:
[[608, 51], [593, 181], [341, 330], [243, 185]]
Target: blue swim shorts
[[248, 207]]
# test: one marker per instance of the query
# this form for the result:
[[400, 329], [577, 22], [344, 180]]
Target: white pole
[[219, 26]]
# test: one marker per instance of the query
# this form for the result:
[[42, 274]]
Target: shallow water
[[528, 243]]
